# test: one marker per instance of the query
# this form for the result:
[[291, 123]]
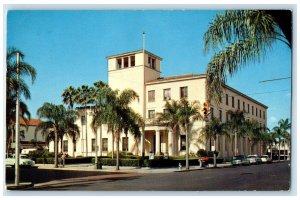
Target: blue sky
[[70, 48]]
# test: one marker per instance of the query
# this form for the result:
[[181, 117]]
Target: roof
[[31, 122], [180, 77], [134, 52]]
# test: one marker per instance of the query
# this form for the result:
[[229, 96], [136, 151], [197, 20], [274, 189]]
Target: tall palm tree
[[236, 122], [57, 120], [189, 112], [284, 125], [118, 115], [68, 96], [170, 118], [83, 97], [12, 86], [278, 134], [239, 37], [210, 131]]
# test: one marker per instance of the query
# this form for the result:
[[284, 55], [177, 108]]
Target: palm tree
[[211, 130], [236, 122], [68, 96], [188, 114], [243, 36], [118, 115], [83, 97], [12, 86], [57, 121], [170, 118], [284, 125]]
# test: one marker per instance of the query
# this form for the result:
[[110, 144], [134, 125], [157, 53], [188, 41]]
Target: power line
[[274, 79]]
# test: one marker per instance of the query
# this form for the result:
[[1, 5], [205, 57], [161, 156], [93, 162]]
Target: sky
[[69, 48]]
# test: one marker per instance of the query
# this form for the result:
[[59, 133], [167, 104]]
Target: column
[[170, 143], [122, 64], [157, 138], [129, 61], [142, 142]]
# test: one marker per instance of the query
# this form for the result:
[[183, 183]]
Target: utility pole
[[17, 140], [144, 41]]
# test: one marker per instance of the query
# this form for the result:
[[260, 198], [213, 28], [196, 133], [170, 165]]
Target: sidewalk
[[91, 167]]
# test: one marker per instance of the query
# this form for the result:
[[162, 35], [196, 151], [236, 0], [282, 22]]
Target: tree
[[68, 96], [12, 86], [118, 115], [57, 121], [278, 135], [284, 125], [170, 117], [239, 37], [211, 129], [236, 122], [189, 112]]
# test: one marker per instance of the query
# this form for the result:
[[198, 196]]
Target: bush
[[123, 162]]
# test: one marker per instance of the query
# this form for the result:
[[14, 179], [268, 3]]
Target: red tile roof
[[31, 122]]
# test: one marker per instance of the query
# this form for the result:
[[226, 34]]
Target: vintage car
[[24, 161]]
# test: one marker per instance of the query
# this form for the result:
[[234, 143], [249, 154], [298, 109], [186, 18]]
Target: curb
[[19, 187]]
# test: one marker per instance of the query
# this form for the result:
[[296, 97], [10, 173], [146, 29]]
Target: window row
[[262, 114], [93, 145], [183, 93], [127, 61]]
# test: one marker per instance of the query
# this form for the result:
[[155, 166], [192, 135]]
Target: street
[[265, 177]]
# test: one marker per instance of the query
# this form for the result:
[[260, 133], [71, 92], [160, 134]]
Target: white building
[[140, 71]]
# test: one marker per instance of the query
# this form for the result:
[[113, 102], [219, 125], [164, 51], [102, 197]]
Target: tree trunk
[[118, 151], [187, 148], [56, 151], [235, 144], [86, 133], [96, 149], [113, 145], [279, 150], [100, 140], [283, 149], [215, 156]]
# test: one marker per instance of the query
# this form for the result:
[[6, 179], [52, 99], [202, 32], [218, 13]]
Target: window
[[124, 143], [151, 96], [227, 99], [22, 135], [119, 63], [182, 142], [65, 146], [167, 94], [82, 120], [93, 144], [211, 113], [248, 108], [232, 98], [183, 92], [126, 62], [259, 113], [256, 112], [220, 115], [105, 144], [243, 106], [151, 114], [132, 61], [151, 62], [252, 110]]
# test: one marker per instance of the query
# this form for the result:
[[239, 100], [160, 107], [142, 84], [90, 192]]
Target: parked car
[[240, 160], [266, 159], [24, 161], [254, 159]]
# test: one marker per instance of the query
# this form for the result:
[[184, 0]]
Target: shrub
[[202, 153], [123, 162]]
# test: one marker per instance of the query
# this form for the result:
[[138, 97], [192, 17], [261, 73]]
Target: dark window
[[239, 104], [124, 143], [220, 115], [259, 113], [126, 62], [65, 146], [248, 108], [232, 98], [183, 92], [93, 144], [82, 120], [151, 62], [151, 96], [132, 61], [244, 106], [167, 94], [151, 114], [211, 113], [105, 144], [182, 142], [119, 63], [226, 99], [256, 112]]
